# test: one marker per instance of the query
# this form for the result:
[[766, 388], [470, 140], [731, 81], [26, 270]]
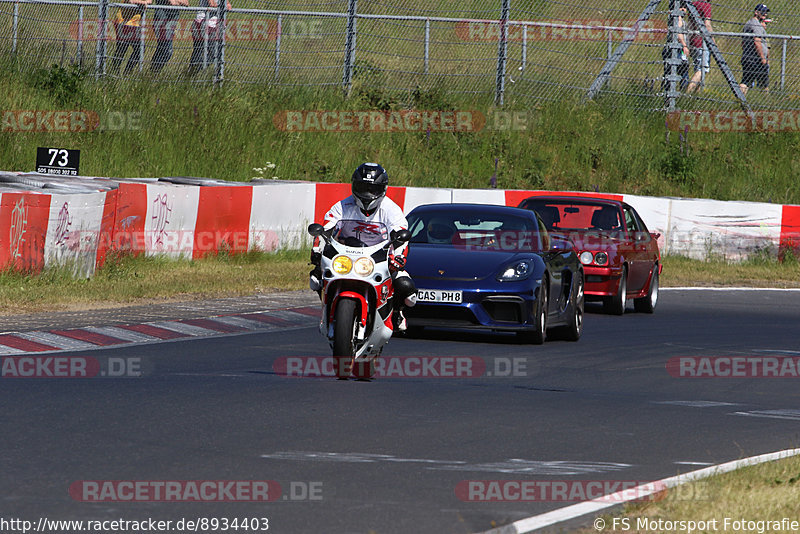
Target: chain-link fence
[[532, 50]]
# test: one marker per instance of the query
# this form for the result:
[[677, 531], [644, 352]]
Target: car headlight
[[601, 258], [516, 271], [342, 264], [363, 266], [586, 257]]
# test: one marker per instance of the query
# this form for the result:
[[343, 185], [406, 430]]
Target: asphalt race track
[[386, 456]]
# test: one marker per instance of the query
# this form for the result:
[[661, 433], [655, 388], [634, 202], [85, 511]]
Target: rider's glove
[[397, 263], [316, 258]]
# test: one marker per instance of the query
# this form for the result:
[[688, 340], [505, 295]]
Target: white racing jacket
[[388, 213]]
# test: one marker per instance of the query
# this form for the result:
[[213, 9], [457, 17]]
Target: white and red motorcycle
[[357, 292]]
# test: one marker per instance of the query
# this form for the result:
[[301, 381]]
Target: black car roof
[[473, 208]]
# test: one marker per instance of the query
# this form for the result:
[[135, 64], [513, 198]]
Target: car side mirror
[[561, 244], [642, 236]]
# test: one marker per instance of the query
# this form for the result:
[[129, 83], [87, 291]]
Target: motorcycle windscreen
[[354, 233]]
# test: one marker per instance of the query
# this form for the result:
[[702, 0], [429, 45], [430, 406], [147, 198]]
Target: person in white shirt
[[369, 204]]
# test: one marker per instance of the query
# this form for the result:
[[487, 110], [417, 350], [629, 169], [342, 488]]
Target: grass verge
[[126, 280], [559, 145], [755, 495], [755, 272]]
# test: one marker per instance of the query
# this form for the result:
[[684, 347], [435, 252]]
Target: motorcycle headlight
[[516, 271], [342, 264], [363, 266]]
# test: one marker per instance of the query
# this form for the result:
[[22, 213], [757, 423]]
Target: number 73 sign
[[61, 161]]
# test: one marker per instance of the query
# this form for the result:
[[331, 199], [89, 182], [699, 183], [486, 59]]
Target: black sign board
[[60, 161]]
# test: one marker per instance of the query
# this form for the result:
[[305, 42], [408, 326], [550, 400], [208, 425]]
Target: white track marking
[[183, 328], [792, 415], [697, 403], [249, 324], [352, 457], [510, 466], [121, 333], [8, 351], [531, 524], [292, 317], [538, 467]]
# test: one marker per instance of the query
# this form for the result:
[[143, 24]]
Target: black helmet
[[369, 186]]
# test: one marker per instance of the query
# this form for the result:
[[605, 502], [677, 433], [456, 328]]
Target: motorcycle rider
[[369, 204]]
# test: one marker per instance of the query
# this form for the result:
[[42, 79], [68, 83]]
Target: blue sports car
[[493, 267]]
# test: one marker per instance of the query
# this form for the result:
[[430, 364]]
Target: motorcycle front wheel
[[344, 332]]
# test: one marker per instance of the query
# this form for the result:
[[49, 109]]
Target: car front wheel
[[615, 304], [647, 304], [538, 333], [573, 330]]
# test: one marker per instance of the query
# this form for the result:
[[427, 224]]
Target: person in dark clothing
[[755, 51], [205, 26], [165, 22]]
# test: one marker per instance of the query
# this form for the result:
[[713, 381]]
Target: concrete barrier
[[78, 222]]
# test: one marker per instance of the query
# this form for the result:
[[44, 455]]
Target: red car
[[619, 254]]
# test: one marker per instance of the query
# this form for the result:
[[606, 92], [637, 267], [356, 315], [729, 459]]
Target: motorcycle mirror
[[400, 236], [315, 229]]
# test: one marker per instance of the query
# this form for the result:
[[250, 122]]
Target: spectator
[[200, 29], [666, 52], [700, 55], [755, 51], [127, 26], [165, 22]]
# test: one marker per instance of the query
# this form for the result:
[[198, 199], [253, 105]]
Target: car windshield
[[565, 215], [484, 231], [354, 233]]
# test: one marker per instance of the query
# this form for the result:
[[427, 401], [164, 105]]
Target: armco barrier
[[77, 222]]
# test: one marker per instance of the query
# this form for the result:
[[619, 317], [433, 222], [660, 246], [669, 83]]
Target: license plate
[[439, 295]]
